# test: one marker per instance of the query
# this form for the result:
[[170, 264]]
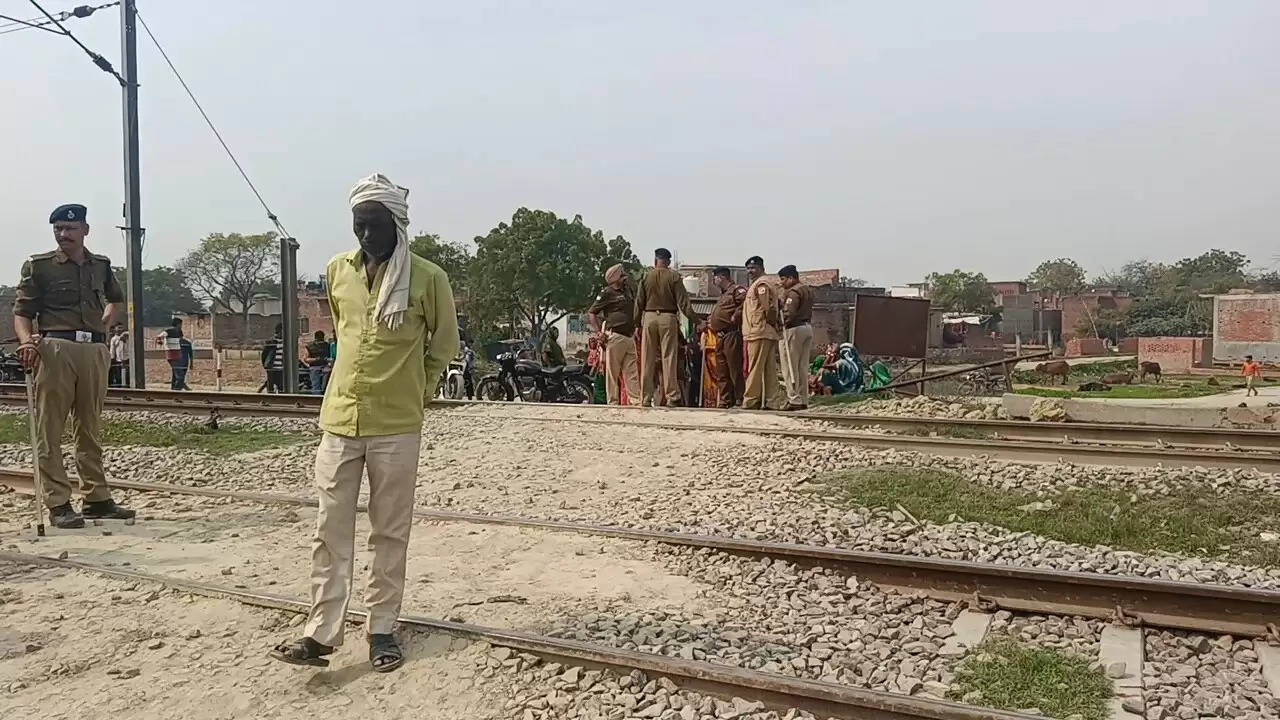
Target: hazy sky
[[886, 139]]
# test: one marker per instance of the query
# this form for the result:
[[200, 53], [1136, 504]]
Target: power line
[[41, 23], [97, 59], [270, 215]]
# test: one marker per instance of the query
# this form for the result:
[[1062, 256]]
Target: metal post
[[289, 310], [133, 191]]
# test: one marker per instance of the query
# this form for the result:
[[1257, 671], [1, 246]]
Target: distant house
[[265, 314]]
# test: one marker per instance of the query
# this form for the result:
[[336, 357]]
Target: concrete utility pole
[[289, 311], [133, 191]]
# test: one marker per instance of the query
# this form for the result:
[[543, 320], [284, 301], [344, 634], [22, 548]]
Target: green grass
[[1145, 392], [1011, 675], [188, 436], [1183, 522]]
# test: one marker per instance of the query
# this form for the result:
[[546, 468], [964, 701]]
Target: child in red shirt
[[1251, 370]]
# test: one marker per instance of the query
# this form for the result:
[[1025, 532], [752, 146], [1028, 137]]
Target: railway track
[[1095, 444], [777, 692], [1216, 609]]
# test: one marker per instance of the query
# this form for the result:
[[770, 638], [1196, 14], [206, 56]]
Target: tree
[[232, 269], [1062, 276], [165, 292], [960, 291], [1136, 277], [852, 282], [452, 257], [539, 268]]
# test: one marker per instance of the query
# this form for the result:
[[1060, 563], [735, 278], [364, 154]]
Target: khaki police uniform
[[659, 301], [760, 328], [725, 321], [797, 343], [621, 367], [66, 300]]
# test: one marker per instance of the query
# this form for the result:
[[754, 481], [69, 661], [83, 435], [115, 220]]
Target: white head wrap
[[393, 296]]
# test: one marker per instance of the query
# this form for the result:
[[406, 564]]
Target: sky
[[888, 140]]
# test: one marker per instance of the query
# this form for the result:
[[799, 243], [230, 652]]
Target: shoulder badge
[[44, 255], [762, 290]]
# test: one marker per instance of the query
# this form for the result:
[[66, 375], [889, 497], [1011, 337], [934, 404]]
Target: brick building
[[1246, 324], [226, 326], [1079, 308]]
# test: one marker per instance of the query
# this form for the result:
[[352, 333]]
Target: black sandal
[[384, 653], [302, 652]]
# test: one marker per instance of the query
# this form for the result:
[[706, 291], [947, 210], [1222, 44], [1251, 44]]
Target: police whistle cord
[[1199, 607]]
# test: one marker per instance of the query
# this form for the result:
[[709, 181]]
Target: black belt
[[728, 331], [71, 335], [664, 312], [796, 323]]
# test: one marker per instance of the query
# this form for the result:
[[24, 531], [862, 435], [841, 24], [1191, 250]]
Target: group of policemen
[[67, 298], [760, 327]]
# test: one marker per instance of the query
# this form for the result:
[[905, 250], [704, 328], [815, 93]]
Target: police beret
[[69, 213], [788, 271]]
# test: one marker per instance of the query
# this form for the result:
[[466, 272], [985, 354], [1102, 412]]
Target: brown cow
[[1123, 378], [1146, 368], [1056, 367]]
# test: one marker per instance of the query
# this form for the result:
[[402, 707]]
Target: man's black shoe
[[106, 510], [64, 516]]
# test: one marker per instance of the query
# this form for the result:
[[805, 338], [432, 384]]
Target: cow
[[1056, 367], [1123, 378], [1146, 368], [1093, 386]]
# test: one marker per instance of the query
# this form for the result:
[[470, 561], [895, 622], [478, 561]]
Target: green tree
[[1136, 277], [232, 269], [1062, 276], [165, 292], [539, 268], [960, 291], [452, 257], [852, 282]]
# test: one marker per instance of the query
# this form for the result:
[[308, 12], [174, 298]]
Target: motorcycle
[[452, 386], [10, 367], [531, 382]]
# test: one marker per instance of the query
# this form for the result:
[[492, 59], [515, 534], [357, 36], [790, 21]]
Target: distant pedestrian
[[797, 337], [393, 315], [187, 362], [468, 370], [1252, 372], [171, 339], [118, 375], [761, 328], [660, 300], [318, 362], [552, 353], [273, 360]]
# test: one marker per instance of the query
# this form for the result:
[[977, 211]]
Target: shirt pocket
[[63, 293]]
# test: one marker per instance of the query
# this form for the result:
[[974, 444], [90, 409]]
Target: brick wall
[[1246, 325], [1175, 354], [1085, 346]]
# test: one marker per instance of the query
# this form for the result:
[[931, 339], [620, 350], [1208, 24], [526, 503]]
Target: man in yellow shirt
[[396, 331]]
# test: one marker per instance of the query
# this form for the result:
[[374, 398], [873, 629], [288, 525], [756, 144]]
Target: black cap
[[662, 254], [69, 213], [789, 271], [755, 260], [721, 272]]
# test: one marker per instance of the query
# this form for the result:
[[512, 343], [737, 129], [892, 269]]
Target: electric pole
[[132, 191], [289, 311]]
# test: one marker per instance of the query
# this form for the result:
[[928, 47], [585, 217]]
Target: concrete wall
[[1176, 354], [1246, 325]]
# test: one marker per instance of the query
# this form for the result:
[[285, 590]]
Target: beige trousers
[[621, 369], [660, 344], [797, 352], [392, 463], [762, 391], [72, 379]]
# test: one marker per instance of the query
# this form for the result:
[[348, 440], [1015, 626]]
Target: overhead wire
[[103, 63], [270, 215], [42, 23]]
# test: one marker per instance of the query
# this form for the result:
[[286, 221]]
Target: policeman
[[761, 328], [659, 300], [725, 321], [71, 295], [797, 337], [611, 316]]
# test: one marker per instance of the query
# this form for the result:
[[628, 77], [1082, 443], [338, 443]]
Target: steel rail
[[1199, 607], [1040, 451], [777, 692]]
